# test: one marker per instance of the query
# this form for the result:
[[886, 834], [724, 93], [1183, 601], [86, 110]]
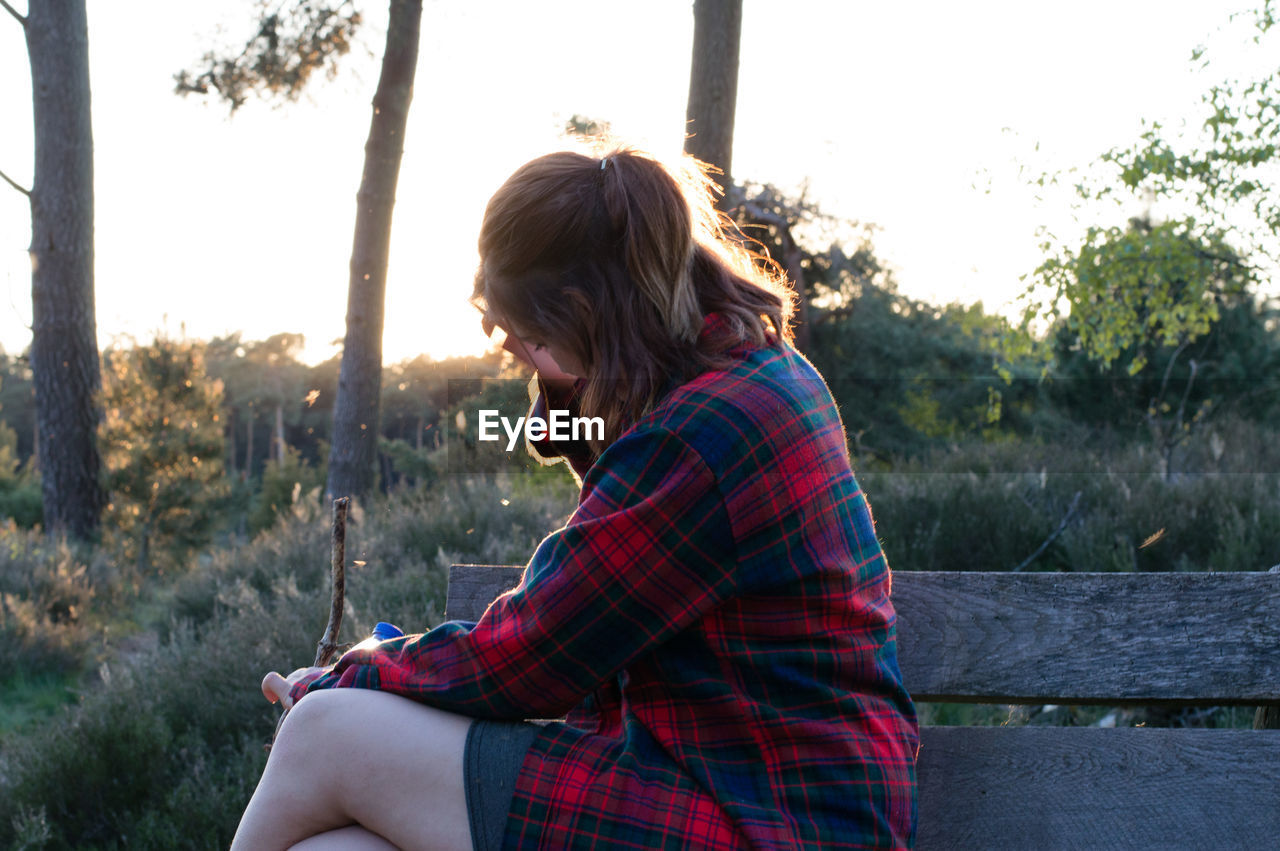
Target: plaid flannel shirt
[[715, 619]]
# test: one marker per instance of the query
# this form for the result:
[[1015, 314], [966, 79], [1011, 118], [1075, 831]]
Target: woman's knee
[[382, 761], [315, 719], [313, 711], [353, 730]]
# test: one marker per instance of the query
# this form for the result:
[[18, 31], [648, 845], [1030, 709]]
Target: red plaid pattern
[[715, 618]]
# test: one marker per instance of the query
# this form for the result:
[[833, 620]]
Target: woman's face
[[554, 362]]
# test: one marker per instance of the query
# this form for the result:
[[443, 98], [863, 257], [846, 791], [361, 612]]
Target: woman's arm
[[648, 552]]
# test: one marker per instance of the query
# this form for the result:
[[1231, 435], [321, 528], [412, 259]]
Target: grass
[[30, 699], [166, 746], [991, 506]]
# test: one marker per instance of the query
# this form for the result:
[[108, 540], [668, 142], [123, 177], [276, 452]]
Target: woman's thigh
[[354, 838], [379, 760]]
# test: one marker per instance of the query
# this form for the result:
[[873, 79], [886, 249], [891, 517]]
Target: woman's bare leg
[[353, 756], [345, 839]]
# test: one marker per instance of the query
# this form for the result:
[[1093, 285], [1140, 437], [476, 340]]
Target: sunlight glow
[[896, 118]]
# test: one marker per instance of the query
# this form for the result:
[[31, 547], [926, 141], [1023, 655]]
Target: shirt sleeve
[[648, 552]]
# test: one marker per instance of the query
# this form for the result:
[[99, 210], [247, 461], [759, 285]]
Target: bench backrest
[[1154, 638]]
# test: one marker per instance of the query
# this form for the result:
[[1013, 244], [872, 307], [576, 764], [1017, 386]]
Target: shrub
[[51, 593], [167, 748], [283, 485], [20, 497], [991, 506], [162, 448]]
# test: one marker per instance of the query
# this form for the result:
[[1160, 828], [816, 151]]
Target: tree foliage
[[292, 41], [1160, 282], [1227, 173], [286, 484], [907, 375], [1146, 297], [163, 444], [1139, 288]]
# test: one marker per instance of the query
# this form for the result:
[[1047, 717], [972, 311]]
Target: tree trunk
[[353, 452], [248, 447], [231, 442], [144, 547], [279, 438], [713, 86], [64, 345]]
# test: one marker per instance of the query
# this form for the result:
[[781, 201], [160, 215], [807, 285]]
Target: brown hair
[[617, 260]]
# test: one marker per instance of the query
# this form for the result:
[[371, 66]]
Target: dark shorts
[[491, 763]]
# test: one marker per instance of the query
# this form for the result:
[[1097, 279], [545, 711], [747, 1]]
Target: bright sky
[[891, 111]]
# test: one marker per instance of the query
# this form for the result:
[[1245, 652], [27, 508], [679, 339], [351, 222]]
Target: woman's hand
[[277, 688]]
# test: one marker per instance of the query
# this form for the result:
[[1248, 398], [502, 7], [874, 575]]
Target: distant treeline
[[910, 378], [272, 402]]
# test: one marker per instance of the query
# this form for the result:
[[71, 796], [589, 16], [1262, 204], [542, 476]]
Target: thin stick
[[12, 11], [328, 646], [9, 180], [1056, 532]]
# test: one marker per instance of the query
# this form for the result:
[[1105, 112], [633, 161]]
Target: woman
[[714, 618]]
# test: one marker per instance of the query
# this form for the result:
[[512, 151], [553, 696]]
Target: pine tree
[[163, 445]]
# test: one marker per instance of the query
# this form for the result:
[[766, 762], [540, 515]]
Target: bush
[[51, 600], [991, 506], [167, 747], [22, 502], [283, 485], [162, 449], [20, 497]]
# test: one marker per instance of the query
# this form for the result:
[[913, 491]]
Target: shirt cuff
[[298, 689]]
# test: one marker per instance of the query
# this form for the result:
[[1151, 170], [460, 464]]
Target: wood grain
[[1054, 787], [472, 587], [1181, 638], [1175, 638], [1092, 638]]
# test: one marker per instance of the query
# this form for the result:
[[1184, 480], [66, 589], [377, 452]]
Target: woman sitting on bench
[[714, 617]]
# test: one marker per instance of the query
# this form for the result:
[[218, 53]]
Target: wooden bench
[[1173, 639]]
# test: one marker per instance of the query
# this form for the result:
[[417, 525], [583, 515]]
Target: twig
[[328, 646], [12, 11], [1066, 518], [1168, 371], [9, 180]]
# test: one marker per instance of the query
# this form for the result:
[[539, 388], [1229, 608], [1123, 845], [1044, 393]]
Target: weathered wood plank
[[472, 587], [1084, 637], [1202, 638], [1181, 638], [1053, 787]]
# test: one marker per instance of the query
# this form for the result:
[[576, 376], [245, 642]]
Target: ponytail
[[619, 260]]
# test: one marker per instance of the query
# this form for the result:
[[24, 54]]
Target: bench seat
[[1165, 639]]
